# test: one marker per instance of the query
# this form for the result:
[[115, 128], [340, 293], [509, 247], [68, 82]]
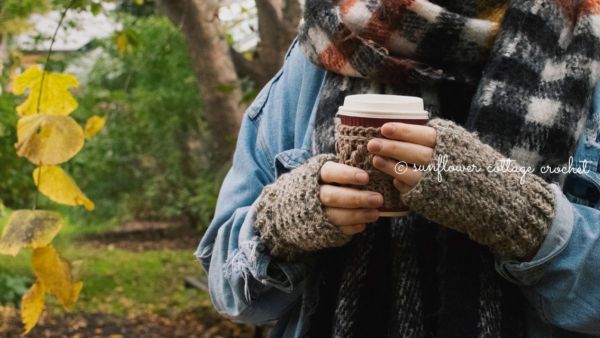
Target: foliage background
[[156, 167], [148, 163]]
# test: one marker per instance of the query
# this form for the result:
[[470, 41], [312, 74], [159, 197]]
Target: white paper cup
[[374, 110]]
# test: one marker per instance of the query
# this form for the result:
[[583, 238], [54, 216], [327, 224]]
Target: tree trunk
[[219, 67], [215, 70], [277, 26]]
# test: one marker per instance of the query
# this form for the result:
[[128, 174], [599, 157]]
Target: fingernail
[[375, 200], [361, 177], [374, 145], [378, 162], [388, 128]]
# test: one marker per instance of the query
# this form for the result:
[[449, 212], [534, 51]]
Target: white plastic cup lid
[[384, 106]]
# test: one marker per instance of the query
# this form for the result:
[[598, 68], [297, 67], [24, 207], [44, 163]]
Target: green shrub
[[148, 161], [12, 288], [16, 185]]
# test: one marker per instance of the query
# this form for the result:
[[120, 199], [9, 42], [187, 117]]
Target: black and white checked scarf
[[526, 94]]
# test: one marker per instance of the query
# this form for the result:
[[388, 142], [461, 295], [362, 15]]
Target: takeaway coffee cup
[[360, 120]]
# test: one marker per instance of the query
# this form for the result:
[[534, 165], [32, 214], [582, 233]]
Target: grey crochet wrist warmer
[[502, 209], [290, 217]]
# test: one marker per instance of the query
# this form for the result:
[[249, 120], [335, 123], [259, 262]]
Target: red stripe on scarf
[[346, 5], [377, 29], [332, 59], [574, 11], [394, 8], [590, 7], [570, 9], [386, 20]]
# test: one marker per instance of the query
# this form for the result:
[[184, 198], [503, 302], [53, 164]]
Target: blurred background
[[173, 78]]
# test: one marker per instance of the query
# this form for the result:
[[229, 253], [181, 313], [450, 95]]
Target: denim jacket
[[246, 284]]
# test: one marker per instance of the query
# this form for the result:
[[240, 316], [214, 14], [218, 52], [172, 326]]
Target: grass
[[120, 282]]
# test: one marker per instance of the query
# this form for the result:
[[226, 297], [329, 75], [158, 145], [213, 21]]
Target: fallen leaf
[[56, 99], [55, 273], [29, 228], [32, 305], [48, 139], [58, 186]]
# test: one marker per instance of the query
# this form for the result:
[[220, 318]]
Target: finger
[[401, 151], [349, 198], [413, 133], [401, 186], [342, 217], [353, 229], [332, 172], [399, 170]]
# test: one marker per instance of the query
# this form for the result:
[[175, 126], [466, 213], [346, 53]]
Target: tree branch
[[269, 11], [276, 27], [246, 68], [292, 11]]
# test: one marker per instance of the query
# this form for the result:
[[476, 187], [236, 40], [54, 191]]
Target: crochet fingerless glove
[[502, 209], [290, 217]]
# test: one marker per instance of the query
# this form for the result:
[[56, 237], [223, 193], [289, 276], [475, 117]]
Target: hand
[[348, 208], [497, 210], [406, 143]]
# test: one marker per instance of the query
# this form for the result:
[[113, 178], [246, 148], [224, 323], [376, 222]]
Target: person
[[493, 254]]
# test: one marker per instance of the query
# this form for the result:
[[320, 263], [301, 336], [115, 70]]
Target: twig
[[62, 17], [39, 100]]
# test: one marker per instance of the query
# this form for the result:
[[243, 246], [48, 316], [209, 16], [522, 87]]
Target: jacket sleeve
[[562, 280], [245, 283]]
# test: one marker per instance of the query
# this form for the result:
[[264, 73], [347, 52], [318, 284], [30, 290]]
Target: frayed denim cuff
[[253, 256], [559, 233]]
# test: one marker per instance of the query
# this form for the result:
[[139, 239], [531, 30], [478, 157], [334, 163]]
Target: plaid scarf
[[523, 85]]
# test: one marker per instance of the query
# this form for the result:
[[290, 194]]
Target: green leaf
[[95, 8], [133, 37], [226, 88]]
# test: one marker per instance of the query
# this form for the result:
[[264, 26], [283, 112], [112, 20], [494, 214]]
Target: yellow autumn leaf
[[93, 125], [56, 99], [29, 228], [248, 56], [48, 139], [139, 2], [55, 272], [32, 305], [58, 186], [121, 43]]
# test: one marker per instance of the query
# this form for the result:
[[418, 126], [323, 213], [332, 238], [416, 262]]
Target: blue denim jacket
[[246, 284]]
